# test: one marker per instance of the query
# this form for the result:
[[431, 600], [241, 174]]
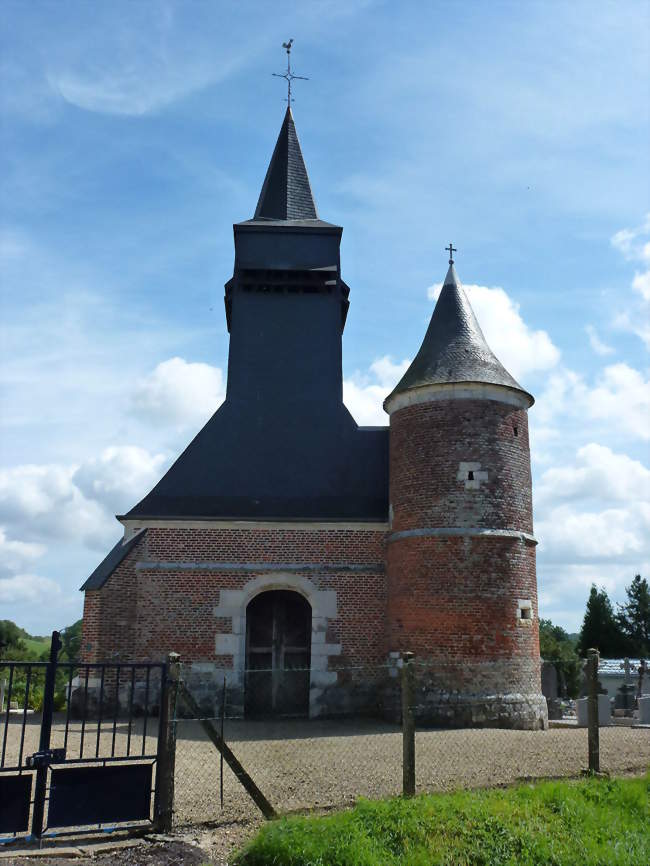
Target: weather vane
[[288, 75], [452, 250]]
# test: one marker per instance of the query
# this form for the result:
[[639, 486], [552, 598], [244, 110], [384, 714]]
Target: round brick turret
[[462, 589]]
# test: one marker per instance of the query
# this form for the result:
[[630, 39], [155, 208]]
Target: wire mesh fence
[[303, 760]]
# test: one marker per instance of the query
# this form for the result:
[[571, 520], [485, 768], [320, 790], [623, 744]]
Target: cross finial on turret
[[288, 75], [452, 250]]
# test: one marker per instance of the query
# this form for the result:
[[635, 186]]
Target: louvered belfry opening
[[278, 653]]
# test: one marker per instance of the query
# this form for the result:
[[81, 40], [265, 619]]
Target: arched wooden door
[[278, 653]]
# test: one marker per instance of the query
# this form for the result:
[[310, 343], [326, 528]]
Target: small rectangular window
[[524, 610]]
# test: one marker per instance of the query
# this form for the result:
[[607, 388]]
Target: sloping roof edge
[[111, 561]]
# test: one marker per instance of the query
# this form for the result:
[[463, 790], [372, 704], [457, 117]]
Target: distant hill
[[16, 643], [37, 644]]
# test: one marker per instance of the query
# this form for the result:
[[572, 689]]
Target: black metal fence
[[80, 746]]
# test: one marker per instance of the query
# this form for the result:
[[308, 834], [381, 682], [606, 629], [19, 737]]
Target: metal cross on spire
[[452, 250], [288, 75]]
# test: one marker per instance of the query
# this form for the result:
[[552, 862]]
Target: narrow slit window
[[470, 475], [515, 430]]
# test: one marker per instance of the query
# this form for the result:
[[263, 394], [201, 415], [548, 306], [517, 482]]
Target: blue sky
[[133, 136]]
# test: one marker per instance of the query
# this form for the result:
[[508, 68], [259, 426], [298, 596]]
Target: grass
[[37, 645], [593, 822]]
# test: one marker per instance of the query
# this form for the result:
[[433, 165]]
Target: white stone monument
[[644, 710], [604, 711]]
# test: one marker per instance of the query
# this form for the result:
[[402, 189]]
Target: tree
[[71, 641], [11, 638], [600, 627], [557, 647], [634, 617]]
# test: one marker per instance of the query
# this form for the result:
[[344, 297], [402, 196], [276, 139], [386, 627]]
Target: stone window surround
[[233, 604], [525, 604]]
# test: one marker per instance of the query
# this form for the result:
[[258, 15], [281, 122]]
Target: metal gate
[[80, 746]]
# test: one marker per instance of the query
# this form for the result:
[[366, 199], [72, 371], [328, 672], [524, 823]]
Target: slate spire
[[454, 349], [286, 192]]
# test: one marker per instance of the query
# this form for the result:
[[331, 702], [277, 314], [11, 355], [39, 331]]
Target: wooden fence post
[[164, 802], [408, 724], [592, 711]]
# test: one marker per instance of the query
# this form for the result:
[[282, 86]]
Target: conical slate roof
[[286, 193], [454, 349]]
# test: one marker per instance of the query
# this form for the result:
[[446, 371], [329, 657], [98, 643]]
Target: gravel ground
[[317, 765]]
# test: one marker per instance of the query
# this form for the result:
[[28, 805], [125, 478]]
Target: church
[[297, 553]]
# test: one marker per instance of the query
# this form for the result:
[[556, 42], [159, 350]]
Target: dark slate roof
[[110, 562], [249, 462], [286, 192], [454, 349]]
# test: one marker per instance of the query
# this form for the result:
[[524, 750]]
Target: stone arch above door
[[324, 606]]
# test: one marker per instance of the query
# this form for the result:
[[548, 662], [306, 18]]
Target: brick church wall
[[186, 589], [109, 617]]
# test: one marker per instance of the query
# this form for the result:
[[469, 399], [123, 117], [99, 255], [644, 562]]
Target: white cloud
[[46, 504], [141, 67], [365, 403], [567, 534], [596, 343], [598, 473], [520, 349], [564, 587], [641, 284], [179, 393], [134, 91], [635, 247], [621, 395], [619, 399], [15, 555], [120, 476], [593, 526], [364, 394], [630, 242], [387, 372], [23, 588], [42, 503]]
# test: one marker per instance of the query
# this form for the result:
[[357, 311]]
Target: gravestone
[[604, 711], [625, 698], [584, 689], [642, 683], [644, 710], [549, 681], [554, 706]]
